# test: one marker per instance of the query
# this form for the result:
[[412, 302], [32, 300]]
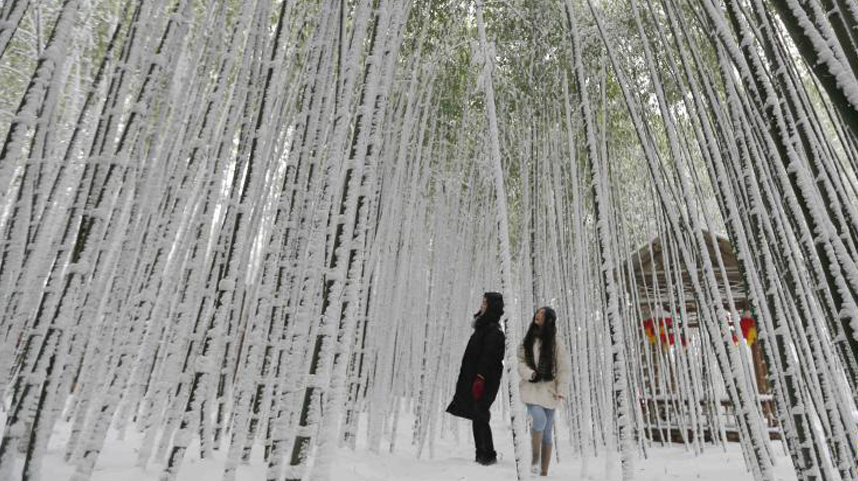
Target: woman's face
[[539, 318], [484, 306]]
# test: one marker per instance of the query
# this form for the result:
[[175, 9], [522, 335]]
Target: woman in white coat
[[544, 368]]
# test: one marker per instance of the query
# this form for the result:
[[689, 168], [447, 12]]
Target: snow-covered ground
[[451, 461]]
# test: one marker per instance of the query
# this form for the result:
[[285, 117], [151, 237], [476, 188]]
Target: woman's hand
[[478, 388], [535, 377]]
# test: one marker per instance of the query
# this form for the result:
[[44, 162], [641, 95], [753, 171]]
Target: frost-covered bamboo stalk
[[10, 18], [606, 252], [511, 322]]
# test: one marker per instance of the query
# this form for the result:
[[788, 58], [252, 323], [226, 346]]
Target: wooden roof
[[648, 266]]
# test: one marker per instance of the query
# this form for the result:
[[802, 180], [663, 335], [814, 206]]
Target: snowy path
[[451, 461]]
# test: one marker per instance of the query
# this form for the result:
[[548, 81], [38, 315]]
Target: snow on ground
[[451, 462]]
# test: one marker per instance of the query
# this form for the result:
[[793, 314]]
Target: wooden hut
[[663, 297]]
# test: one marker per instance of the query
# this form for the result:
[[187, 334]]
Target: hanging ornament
[[649, 330], [664, 335], [749, 329]]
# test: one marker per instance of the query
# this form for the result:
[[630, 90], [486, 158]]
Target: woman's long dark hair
[[546, 334], [493, 312]]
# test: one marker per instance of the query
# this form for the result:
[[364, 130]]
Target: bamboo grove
[[262, 225]]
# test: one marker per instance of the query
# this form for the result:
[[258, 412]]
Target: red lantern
[[649, 330], [664, 324], [749, 329]]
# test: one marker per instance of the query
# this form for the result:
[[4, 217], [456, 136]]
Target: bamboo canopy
[[656, 283]]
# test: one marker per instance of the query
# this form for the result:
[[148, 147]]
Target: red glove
[[478, 388]]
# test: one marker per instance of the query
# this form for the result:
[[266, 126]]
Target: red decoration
[[749, 329], [649, 330], [664, 324]]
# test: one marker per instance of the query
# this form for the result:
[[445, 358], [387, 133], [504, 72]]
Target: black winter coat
[[484, 356]]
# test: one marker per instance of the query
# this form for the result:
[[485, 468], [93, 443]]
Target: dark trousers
[[483, 440]]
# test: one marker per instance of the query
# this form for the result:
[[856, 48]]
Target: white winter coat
[[544, 393]]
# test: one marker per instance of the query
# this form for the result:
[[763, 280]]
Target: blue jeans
[[543, 421]]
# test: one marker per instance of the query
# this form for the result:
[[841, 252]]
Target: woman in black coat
[[480, 375]]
